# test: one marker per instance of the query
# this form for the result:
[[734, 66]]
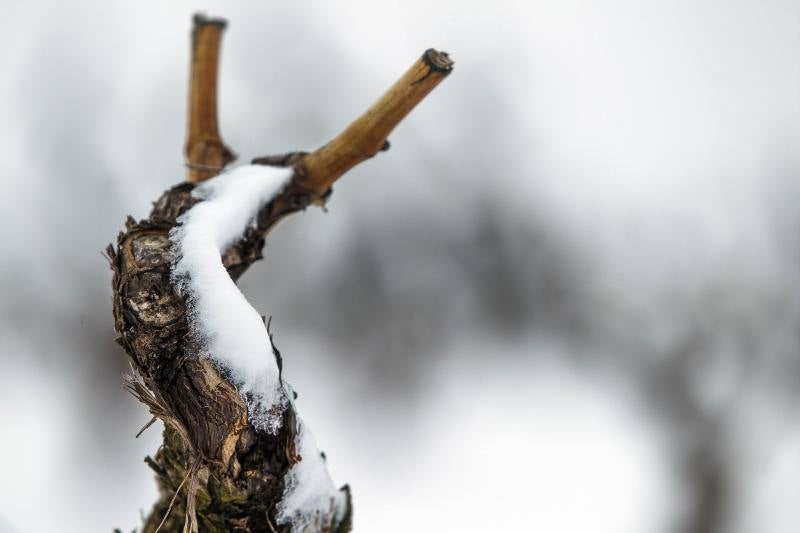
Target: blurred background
[[566, 299]]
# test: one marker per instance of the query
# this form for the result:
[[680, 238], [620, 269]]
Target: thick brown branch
[[206, 419], [205, 152]]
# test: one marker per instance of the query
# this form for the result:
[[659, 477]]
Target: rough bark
[[227, 476]]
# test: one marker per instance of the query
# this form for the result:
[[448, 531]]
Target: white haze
[[650, 147]]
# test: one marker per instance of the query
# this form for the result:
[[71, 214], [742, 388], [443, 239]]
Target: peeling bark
[[210, 450]]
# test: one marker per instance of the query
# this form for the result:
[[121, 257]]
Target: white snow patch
[[231, 332], [227, 328], [310, 498]]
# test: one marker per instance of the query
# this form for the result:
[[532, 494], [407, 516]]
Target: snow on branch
[[224, 325], [310, 500], [227, 329]]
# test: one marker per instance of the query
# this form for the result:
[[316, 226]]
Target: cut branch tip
[[200, 19], [438, 61], [367, 135]]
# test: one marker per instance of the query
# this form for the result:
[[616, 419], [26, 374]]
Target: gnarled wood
[[237, 472]]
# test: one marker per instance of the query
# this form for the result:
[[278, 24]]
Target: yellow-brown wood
[[207, 431], [367, 135], [205, 152]]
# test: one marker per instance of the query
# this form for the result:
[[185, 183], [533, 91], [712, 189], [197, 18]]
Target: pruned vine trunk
[[215, 471]]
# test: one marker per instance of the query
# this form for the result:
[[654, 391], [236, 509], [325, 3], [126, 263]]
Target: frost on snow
[[227, 328], [310, 499]]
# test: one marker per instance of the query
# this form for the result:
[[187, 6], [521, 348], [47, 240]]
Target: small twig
[[367, 135], [206, 153], [150, 423], [155, 467]]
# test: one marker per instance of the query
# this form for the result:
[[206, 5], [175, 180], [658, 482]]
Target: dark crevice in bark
[[242, 474]]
